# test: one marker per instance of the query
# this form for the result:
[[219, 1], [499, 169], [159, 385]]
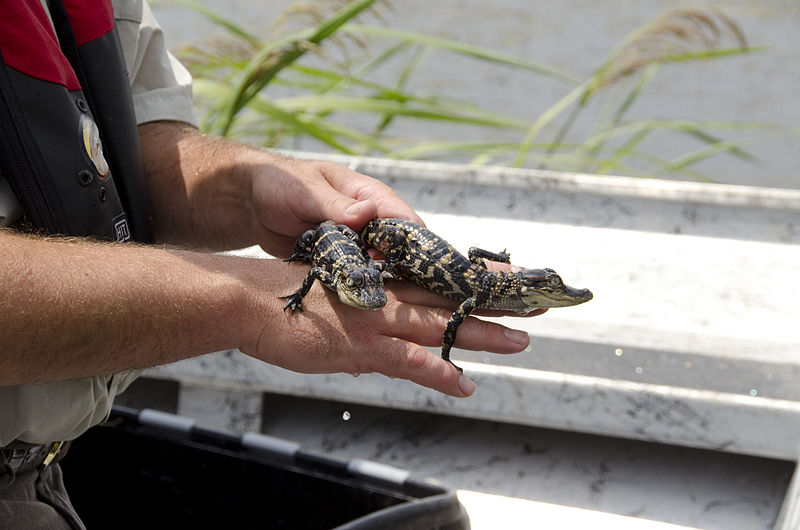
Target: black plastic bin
[[150, 469]]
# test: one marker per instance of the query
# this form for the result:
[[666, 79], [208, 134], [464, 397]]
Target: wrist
[[250, 290]]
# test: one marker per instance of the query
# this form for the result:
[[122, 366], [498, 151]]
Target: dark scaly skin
[[339, 260], [414, 252]]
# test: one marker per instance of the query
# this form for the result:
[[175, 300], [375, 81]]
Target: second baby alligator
[[339, 260], [414, 252]]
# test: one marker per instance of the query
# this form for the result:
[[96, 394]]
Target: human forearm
[[72, 308], [220, 194], [199, 191], [75, 308]]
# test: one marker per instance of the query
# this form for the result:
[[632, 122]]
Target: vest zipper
[[17, 167]]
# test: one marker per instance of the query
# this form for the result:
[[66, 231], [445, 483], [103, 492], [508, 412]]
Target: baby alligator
[[416, 253], [339, 260]]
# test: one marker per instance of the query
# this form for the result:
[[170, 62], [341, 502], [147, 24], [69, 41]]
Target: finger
[[407, 360], [425, 325], [363, 187], [408, 291], [481, 335], [498, 266], [342, 208]]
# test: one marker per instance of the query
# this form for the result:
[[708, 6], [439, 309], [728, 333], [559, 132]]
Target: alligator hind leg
[[302, 249], [452, 327], [294, 300], [477, 255], [349, 232]]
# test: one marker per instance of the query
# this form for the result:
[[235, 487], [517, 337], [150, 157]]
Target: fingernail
[[466, 385], [516, 268], [355, 208], [518, 337]]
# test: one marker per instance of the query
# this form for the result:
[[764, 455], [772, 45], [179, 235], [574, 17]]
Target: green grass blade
[[339, 82], [705, 55], [726, 146], [643, 80], [428, 111], [562, 132], [391, 100], [627, 102], [259, 74], [277, 113], [734, 150], [659, 164], [220, 21], [424, 149], [684, 126], [402, 81], [619, 154], [544, 119], [330, 81], [461, 49]]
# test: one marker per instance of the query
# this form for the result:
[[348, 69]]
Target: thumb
[[351, 212]]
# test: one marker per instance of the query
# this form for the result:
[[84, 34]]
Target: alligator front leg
[[294, 300], [477, 255], [392, 243], [383, 267], [456, 320]]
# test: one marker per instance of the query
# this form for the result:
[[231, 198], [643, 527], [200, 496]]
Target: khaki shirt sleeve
[[161, 86]]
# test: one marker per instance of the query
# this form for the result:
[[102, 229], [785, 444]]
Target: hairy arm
[[220, 194], [72, 308]]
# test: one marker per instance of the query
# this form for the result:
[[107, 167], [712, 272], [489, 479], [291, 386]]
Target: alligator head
[[362, 288], [541, 288]]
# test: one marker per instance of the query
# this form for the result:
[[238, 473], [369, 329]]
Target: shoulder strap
[[97, 59]]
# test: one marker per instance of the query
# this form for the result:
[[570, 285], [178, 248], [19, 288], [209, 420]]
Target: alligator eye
[[355, 279], [532, 277], [554, 281]]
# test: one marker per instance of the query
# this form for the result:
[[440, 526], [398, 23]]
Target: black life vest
[[69, 145]]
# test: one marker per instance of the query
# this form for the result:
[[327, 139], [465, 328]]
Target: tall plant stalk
[[273, 58], [265, 90]]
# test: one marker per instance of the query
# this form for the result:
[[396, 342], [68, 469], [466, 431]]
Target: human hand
[[328, 336], [290, 196]]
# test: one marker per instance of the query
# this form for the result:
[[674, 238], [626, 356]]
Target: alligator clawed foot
[[460, 370], [304, 256], [293, 302]]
